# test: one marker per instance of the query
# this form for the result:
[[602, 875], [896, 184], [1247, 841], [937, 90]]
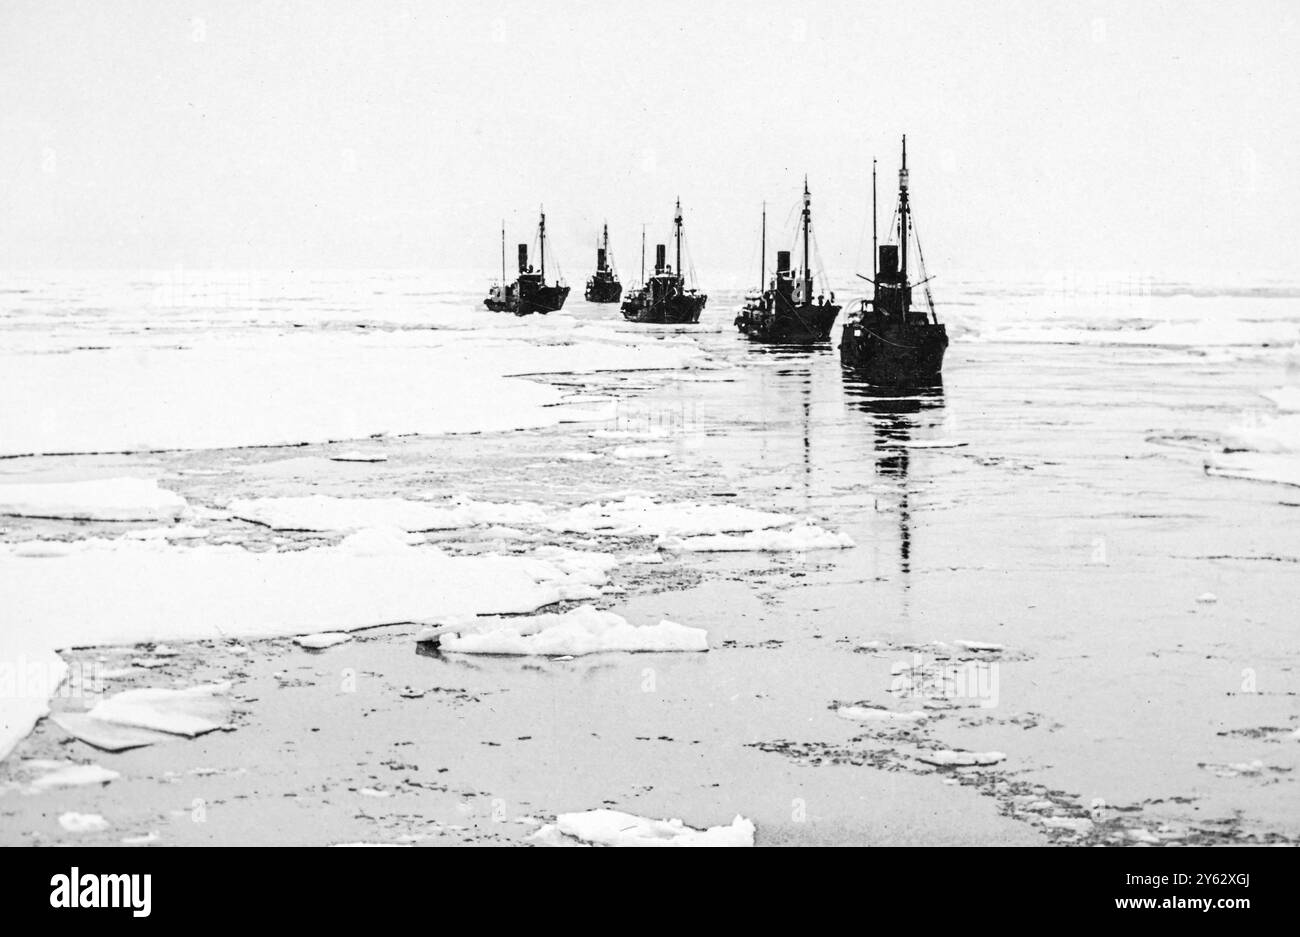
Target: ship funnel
[[600, 258], [888, 260], [523, 257], [782, 262], [660, 254]]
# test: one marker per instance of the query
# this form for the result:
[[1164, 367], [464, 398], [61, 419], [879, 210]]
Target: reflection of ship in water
[[893, 412]]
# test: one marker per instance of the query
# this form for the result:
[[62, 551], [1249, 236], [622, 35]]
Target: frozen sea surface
[[1038, 591]]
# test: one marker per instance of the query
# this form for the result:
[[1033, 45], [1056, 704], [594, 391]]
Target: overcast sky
[[1155, 137]]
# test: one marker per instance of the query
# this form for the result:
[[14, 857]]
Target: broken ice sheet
[[615, 828]]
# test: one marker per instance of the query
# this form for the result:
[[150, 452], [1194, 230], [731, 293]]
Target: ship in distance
[[529, 293], [665, 297], [887, 341]]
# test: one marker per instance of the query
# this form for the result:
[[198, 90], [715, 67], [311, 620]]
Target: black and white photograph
[[584, 424]]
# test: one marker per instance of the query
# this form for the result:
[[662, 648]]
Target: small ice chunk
[[948, 758], [932, 444], [82, 822], [324, 639], [1207, 598], [615, 828], [142, 839], [978, 646]]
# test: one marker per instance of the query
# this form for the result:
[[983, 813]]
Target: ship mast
[[762, 258], [503, 256], [902, 218], [807, 220], [605, 233], [541, 237], [643, 253], [875, 251], [677, 222]]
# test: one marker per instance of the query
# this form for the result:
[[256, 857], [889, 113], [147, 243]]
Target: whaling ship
[[529, 293], [604, 287], [887, 341], [786, 311], [665, 296]]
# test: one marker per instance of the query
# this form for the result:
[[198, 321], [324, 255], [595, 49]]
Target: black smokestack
[[782, 261], [600, 258], [660, 251], [523, 257], [888, 259]]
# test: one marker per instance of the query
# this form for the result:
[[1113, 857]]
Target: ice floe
[[108, 499], [47, 775], [190, 712], [948, 758], [579, 631], [75, 822], [318, 642], [615, 828], [883, 716], [326, 513], [641, 452], [1257, 467], [638, 516], [358, 455], [797, 539]]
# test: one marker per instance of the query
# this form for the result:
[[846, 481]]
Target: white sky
[[1154, 137]]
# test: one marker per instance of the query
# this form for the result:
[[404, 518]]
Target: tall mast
[[875, 251], [503, 253], [807, 220], [677, 221], [902, 214], [642, 253], [541, 237], [762, 260]]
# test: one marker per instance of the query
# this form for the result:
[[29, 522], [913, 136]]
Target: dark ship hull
[[894, 354], [677, 310], [541, 300], [805, 324], [603, 291]]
